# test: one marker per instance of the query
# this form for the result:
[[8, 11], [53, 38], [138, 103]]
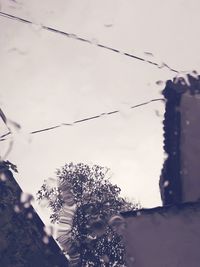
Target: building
[[169, 236], [23, 240]]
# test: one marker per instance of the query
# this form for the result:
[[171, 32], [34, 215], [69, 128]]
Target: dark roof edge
[[161, 209], [52, 244]]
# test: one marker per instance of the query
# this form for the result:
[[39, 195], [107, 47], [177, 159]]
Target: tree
[[83, 202]]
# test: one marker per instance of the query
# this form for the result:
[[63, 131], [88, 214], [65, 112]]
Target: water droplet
[[157, 113], [159, 82], [29, 215], [194, 74], [116, 221], [68, 198], [26, 198], [166, 156], [108, 25], [51, 182], [72, 35], [138, 213], [148, 54], [105, 258], [27, 205], [132, 259], [48, 230], [45, 239], [44, 203], [94, 41], [16, 209], [3, 177], [166, 183], [36, 27], [92, 237]]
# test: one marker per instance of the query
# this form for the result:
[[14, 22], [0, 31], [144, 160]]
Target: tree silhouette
[[83, 202]]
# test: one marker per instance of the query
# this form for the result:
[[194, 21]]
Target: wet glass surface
[[81, 81]]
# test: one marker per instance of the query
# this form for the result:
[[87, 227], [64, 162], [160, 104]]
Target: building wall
[[163, 237], [169, 236], [180, 179], [23, 240], [190, 147]]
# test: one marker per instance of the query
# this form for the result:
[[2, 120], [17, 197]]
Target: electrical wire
[[3, 137], [78, 38]]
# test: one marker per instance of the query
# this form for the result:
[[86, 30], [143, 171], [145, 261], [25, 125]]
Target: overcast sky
[[47, 79]]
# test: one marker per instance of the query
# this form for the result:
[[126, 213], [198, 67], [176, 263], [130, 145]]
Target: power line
[[78, 38], [3, 137]]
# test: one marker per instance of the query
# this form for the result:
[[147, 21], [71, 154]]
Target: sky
[[48, 79]]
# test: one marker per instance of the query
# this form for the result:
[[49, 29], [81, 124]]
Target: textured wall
[[180, 179], [190, 147], [169, 236], [163, 237]]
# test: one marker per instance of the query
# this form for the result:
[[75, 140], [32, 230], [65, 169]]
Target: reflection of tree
[[84, 201]]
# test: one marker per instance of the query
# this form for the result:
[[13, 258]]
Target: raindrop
[[132, 259], [15, 124], [25, 197], [148, 54], [108, 25], [44, 203], [159, 82], [186, 80], [163, 65], [116, 221], [29, 215], [92, 237], [16, 209], [157, 113], [94, 41], [48, 230], [187, 122], [138, 213], [51, 182], [2, 177], [105, 258], [194, 74], [166, 183], [27, 205], [166, 156], [45, 239], [72, 35], [36, 27], [68, 198]]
